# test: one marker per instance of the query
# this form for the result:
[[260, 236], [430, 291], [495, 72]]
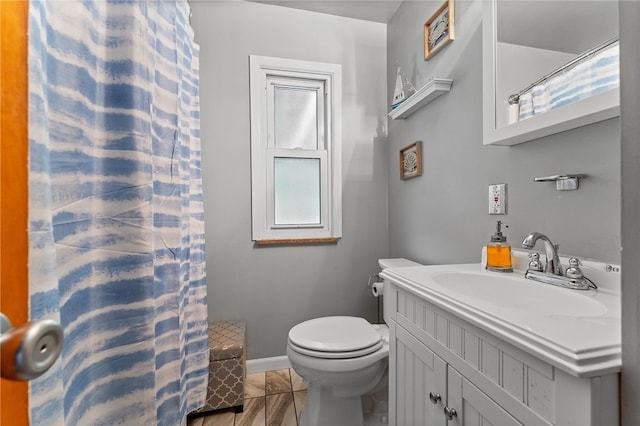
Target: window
[[296, 176]]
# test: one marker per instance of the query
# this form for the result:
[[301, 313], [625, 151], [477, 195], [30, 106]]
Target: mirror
[[524, 41]]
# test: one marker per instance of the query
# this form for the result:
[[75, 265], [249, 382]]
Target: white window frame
[[265, 71]]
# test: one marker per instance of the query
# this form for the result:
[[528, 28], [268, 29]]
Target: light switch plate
[[498, 198]]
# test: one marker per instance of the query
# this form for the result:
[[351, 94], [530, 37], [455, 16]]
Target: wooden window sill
[[296, 241]]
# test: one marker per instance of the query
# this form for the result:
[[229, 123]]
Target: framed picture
[[411, 161], [438, 31]]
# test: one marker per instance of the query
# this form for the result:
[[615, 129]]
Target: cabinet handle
[[435, 398], [450, 413]]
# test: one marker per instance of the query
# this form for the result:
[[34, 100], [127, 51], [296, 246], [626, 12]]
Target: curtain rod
[[515, 98]]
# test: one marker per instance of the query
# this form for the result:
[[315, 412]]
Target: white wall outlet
[[498, 198]]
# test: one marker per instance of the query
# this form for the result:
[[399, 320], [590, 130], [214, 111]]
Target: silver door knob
[[29, 350], [435, 398], [450, 413]]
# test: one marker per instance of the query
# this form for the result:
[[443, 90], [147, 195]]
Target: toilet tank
[[392, 263], [398, 262]]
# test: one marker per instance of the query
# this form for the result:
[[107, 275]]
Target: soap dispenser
[[499, 252]]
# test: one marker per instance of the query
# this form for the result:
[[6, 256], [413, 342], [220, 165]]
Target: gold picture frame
[[438, 30], [411, 161]]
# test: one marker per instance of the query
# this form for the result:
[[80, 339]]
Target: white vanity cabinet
[[484, 378], [425, 385]]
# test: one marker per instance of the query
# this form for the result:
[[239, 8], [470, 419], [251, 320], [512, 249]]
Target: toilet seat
[[336, 337], [335, 355]]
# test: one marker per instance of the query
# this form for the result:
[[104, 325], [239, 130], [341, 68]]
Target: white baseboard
[[267, 364]]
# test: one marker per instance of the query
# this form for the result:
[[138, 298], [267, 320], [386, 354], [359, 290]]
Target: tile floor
[[272, 398]]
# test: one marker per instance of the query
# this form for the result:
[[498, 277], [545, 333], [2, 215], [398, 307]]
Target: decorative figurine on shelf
[[403, 90]]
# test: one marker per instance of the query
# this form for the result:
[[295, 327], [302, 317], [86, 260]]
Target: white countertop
[[577, 331]]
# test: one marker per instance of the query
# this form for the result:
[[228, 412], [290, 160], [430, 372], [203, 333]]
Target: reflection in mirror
[[542, 38], [548, 55], [595, 71]]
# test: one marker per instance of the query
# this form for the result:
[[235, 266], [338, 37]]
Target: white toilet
[[341, 358]]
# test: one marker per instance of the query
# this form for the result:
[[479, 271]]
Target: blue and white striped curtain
[[116, 227]]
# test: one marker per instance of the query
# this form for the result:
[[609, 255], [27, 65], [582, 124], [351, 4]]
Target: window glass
[[296, 118], [296, 191]]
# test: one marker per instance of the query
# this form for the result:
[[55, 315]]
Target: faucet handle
[[535, 264], [574, 271]]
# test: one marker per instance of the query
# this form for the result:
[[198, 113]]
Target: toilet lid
[[334, 334]]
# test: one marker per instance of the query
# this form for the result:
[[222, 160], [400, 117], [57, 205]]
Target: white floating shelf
[[434, 88]]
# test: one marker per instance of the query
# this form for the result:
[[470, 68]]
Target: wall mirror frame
[[586, 111]]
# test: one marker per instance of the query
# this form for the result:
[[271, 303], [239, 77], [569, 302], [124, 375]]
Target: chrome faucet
[[553, 273], [552, 265]]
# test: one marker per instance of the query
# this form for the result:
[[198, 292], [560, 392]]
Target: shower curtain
[[116, 229]]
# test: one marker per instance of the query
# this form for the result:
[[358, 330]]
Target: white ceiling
[[368, 10]]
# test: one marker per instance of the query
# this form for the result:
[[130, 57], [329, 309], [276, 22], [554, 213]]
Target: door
[[420, 382], [13, 190], [473, 407]]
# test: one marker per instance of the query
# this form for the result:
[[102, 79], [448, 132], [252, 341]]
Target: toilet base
[[373, 415], [344, 411], [372, 419]]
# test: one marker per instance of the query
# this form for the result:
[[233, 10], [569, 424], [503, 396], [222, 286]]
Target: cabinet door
[[472, 406], [415, 373]]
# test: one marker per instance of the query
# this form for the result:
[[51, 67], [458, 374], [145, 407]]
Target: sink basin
[[576, 330], [520, 294]]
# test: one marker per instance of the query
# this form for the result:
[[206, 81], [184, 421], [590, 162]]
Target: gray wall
[[274, 288], [630, 116], [441, 217]]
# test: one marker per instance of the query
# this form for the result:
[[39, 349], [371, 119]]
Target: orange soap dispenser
[[499, 252]]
